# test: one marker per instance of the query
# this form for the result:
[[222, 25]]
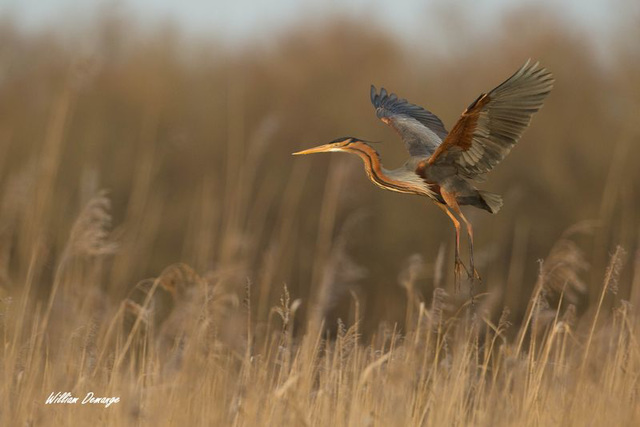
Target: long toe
[[462, 267], [457, 272]]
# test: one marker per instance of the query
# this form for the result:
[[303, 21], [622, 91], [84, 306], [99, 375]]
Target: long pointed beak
[[319, 149]]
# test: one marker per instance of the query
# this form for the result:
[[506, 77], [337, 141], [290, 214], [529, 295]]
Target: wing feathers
[[421, 130], [493, 123]]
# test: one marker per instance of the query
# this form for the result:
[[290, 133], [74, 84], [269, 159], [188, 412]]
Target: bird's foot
[[476, 275], [459, 267]]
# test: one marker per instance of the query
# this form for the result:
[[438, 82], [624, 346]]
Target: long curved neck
[[379, 175]]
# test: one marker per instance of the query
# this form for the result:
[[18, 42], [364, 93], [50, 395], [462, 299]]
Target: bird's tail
[[492, 201]]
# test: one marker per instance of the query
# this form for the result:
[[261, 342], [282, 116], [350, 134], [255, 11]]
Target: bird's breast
[[433, 176]]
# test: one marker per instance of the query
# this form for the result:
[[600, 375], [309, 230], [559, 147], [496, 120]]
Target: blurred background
[[187, 115]]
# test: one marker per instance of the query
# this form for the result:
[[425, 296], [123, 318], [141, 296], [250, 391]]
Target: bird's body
[[442, 163], [426, 181]]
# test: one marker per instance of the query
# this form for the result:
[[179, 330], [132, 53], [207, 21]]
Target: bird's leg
[[476, 275], [458, 265]]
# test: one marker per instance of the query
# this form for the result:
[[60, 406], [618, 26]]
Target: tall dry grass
[[181, 349], [219, 282]]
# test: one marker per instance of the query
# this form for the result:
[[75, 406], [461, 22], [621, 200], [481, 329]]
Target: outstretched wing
[[493, 123], [421, 130]]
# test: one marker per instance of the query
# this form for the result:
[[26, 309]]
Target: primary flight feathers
[[486, 131]]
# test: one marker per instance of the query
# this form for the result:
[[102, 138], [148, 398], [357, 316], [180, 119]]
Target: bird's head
[[345, 144]]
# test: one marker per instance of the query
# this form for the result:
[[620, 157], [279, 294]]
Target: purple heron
[[442, 162]]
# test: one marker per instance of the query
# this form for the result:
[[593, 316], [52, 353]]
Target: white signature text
[[66, 397]]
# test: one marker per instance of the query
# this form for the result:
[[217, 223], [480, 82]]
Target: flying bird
[[443, 164]]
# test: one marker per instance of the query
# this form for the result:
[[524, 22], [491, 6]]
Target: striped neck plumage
[[401, 180], [370, 157], [376, 173]]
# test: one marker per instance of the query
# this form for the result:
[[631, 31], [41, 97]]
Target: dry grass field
[[159, 244]]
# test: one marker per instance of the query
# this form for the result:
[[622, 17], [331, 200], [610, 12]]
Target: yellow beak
[[319, 149]]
